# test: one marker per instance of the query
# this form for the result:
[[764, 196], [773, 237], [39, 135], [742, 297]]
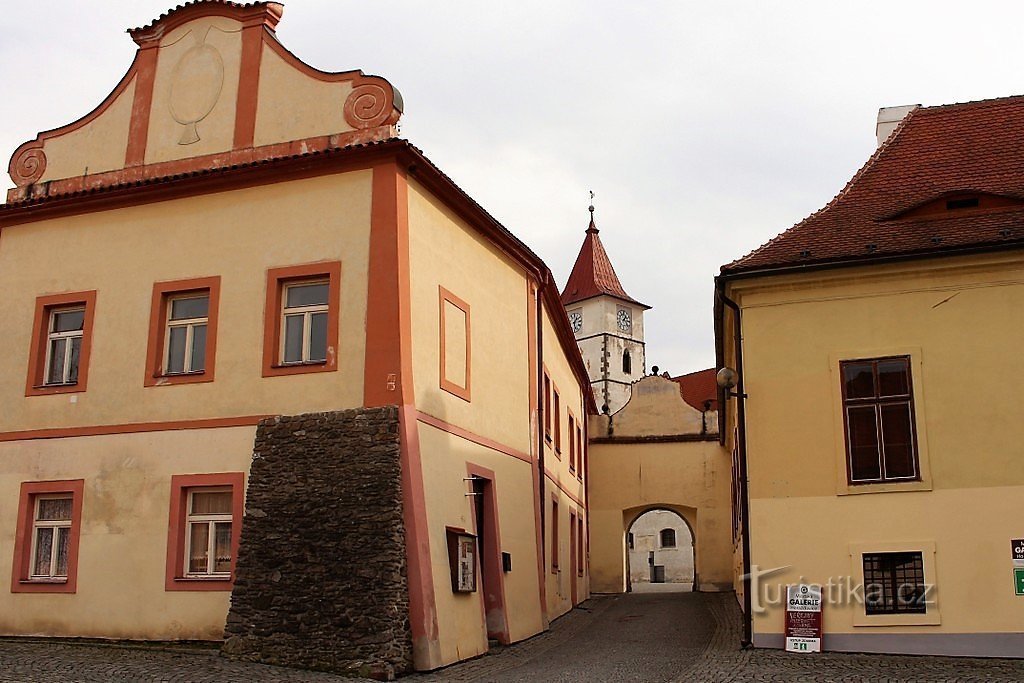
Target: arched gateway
[[659, 453]]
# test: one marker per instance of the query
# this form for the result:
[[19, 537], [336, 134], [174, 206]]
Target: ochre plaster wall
[[197, 71], [278, 119], [97, 146], [560, 482], [124, 529], [445, 252], [690, 478], [120, 253], [460, 615], [957, 320]]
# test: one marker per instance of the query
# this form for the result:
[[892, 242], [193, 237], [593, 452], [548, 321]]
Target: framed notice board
[[462, 559]]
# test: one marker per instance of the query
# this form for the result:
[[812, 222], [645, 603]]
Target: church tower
[[607, 322]]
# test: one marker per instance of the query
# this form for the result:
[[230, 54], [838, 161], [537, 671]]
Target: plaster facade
[[431, 309], [805, 515], [654, 455]]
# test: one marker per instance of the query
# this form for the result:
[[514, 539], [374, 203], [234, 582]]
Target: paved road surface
[[655, 637]]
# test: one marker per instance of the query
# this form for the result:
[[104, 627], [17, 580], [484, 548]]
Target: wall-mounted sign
[[803, 618], [1017, 552], [462, 560], [1018, 580]]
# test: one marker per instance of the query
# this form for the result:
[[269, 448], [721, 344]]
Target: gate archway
[[659, 552]]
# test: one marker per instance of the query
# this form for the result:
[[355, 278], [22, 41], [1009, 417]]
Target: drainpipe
[[741, 446]]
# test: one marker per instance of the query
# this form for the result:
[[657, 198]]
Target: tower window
[[627, 363]]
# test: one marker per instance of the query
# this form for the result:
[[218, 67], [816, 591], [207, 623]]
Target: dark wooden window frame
[[881, 570], [877, 402]]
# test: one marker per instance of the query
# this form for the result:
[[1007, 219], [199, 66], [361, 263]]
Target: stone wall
[[321, 573]]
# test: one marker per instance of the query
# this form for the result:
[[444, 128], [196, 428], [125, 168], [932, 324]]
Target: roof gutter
[[871, 260], [741, 442]]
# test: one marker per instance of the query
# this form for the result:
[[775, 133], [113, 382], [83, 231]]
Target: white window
[[51, 537], [208, 533], [64, 345], [304, 323], [187, 319]]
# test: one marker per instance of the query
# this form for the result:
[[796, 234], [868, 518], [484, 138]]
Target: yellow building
[[659, 453], [262, 356], [875, 414]]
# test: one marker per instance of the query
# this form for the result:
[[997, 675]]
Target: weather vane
[[591, 207]]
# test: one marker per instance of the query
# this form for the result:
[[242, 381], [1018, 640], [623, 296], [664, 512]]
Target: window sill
[[885, 487], [930, 618], [197, 583], [298, 368], [179, 378], [48, 389], [63, 585]]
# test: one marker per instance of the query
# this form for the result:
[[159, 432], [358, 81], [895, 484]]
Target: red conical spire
[[593, 274]]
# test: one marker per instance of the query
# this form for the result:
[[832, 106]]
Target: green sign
[[1018, 580]]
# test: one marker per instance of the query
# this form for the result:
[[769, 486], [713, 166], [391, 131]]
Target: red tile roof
[[698, 387], [593, 274], [972, 149]]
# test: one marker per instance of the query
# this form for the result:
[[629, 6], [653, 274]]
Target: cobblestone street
[[663, 637]]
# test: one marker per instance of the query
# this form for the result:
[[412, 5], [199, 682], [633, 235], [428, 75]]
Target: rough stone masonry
[[321, 575]]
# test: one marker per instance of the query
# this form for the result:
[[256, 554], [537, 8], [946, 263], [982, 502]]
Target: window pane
[[859, 380], [176, 349], [63, 538], [44, 549], [197, 554], [898, 441], [76, 353], [68, 321], [318, 337], [211, 503], [194, 307], [307, 295], [198, 348], [51, 509], [56, 376], [892, 378], [293, 338], [864, 460], [222, 547]]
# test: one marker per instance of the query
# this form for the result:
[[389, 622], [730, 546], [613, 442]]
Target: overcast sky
[[704, 128]]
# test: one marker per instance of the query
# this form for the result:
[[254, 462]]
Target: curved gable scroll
[[210, 86]]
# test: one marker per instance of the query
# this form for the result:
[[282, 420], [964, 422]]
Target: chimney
[[889, 118]]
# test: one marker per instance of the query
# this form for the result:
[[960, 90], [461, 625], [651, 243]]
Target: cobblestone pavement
[[659, 637], [34, 661]]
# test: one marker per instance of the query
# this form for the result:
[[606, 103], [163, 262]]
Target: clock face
[[576, 319], [624, 320]]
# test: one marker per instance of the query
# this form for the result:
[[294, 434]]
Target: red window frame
[[277, 280], [580, 555], [557, 419], [572, 443], [554, 536], [163, 292], [181, 485], [547, 407], [45, 305], [30, 491]]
